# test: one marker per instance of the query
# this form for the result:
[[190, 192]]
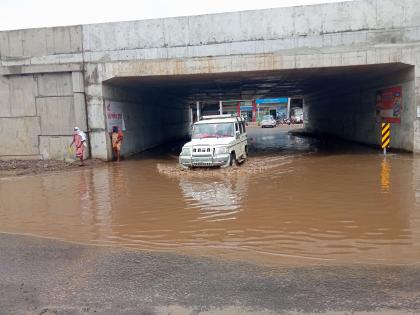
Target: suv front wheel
[[245, 155], [231, 160]]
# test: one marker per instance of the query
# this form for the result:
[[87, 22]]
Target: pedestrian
[[79, 140], [117, 139]]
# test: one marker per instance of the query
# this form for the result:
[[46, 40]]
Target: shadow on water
[[297, 141]]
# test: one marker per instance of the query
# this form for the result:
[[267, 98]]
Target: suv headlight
[[186, 151], [221, 150]]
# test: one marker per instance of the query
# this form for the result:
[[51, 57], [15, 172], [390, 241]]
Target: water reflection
[[324, 207], [217, 199], [385, 175]]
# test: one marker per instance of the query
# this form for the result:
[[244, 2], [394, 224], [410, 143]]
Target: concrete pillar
[[198, 111], [416, 145], [221, 107], [288, 107], [191, 115]]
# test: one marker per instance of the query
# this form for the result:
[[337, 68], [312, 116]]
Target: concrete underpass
[[338, 101], [53, 79]]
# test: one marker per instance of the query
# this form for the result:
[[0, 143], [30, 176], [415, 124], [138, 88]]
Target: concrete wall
[[40, 102], [151, 118], [255, 32], [38, 113], [349, 112], [18, 45]]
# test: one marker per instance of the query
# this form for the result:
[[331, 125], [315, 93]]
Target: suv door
[[241, 141], [237, 140], [244, 141]]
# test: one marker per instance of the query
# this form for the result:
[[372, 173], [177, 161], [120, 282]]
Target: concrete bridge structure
[[337, 56]]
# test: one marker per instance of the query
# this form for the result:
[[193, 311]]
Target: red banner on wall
[[389, 104], [114, 115]]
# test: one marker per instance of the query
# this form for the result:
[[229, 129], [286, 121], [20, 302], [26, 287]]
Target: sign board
[[114, 115], [389, 104], [271, 100]]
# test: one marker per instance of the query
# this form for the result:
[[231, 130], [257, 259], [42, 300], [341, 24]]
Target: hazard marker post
[[386, 136]]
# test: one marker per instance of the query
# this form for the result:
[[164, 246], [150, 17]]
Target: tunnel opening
[[337, 102]]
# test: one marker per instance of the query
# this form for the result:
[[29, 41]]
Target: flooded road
[[296, 201]]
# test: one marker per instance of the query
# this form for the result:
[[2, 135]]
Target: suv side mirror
[[237, 134]]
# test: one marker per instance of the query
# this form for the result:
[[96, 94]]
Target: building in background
[[276, 107], [250, 110]]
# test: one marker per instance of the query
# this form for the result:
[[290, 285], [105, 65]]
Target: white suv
[[218, 140]]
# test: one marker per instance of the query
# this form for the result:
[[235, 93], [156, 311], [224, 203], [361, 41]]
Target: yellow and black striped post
[[386, 136]]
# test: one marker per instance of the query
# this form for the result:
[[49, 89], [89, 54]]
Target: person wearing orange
[[117, 139]]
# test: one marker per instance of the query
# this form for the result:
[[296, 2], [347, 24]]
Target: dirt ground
[[32, 167]]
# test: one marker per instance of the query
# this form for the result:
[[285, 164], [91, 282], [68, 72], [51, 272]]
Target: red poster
[[114, 115], [389, 104]]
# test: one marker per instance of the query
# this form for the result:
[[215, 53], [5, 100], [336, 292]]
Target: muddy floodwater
[[295, 201]]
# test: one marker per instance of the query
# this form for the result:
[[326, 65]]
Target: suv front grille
[[202, 150]]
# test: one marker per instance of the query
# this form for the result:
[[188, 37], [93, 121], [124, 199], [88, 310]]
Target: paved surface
[[40, 276]]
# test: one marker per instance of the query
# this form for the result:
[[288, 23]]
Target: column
[[254, 111], [191, 115], [198, 111]]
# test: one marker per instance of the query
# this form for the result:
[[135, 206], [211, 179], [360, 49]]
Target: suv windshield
[[267, 117], [212, 130]]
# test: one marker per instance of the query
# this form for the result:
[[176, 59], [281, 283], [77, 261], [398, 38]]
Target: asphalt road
[[41, 276]]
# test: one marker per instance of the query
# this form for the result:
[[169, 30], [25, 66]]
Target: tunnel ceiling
[[210, 88]]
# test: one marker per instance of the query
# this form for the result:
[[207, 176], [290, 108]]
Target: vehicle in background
[[268, 121], [297, 115], [286, 121], [217, 140]]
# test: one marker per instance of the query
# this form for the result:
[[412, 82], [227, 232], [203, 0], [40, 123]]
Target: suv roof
[[219, 119]]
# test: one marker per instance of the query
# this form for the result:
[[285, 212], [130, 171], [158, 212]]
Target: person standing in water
[[117, 139], [79, 140]]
